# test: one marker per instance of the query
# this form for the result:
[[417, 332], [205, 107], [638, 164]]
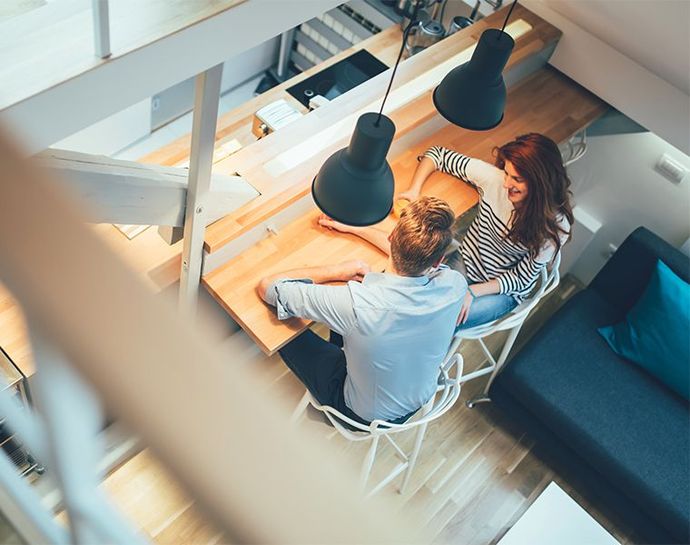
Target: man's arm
[[294, 293], [342, 272]]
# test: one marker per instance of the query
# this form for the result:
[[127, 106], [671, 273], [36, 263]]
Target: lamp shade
[[473, 95], [355, 185]]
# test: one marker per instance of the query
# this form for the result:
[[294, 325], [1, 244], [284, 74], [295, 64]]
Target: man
[[396, 325]]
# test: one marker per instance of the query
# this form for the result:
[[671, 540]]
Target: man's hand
[[355, 269], [465, 308], [329, 223]]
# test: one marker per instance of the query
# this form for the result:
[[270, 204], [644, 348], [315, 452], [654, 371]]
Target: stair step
[[148, 496], [330, 35]]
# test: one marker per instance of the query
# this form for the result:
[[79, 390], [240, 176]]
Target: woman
[[524, 219]]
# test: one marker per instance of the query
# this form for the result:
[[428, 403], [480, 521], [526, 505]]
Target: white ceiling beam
[[116, 191], [121, 81]]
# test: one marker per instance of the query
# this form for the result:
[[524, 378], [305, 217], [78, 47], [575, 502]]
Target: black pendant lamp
[[355, 185], [473, 95]]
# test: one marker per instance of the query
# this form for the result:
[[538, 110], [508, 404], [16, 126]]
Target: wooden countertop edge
[[296, 324]]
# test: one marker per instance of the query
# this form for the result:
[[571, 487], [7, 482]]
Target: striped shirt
[[487, 251]]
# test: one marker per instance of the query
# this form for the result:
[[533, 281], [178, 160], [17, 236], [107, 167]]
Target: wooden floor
[[476, 475]]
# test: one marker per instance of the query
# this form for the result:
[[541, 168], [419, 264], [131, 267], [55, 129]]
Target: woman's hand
[[355, 269], [329, 223], [465, 308], [410, 195]]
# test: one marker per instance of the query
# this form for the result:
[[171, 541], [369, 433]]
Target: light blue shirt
[[396, 332]]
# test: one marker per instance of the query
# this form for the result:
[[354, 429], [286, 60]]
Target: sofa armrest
[[626, 274]]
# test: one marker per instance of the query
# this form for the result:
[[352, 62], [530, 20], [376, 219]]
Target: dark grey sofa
[[621, 435]]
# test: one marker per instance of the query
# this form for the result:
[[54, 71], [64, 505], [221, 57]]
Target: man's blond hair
[[422, 235]]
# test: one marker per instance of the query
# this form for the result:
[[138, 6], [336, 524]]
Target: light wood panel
[[280, 191], [148, 495], [547, 102]]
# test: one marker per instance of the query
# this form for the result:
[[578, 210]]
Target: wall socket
[[155, 103], [671, 169]]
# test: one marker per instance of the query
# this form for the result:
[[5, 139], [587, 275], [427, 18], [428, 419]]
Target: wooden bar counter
[[546, 102]]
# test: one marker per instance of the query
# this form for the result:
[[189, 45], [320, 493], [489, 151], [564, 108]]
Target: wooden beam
[[206, 98], [116, 191]]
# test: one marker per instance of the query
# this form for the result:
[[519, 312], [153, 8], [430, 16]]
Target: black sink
[[339, 77]]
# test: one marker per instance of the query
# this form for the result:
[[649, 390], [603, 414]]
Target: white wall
[[244, 66], [638, 64], [112, 133], [616, 183]]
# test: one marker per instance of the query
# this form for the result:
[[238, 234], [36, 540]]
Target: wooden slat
[[143, 254], [547, 102]]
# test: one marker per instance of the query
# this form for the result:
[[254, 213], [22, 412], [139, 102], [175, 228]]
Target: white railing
[[101, 338]]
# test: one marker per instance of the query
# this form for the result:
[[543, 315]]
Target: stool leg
[[413, 456], [507, 347], [299, 410], [368, 461]]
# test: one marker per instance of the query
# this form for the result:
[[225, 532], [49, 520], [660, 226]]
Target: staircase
[[336, 30]]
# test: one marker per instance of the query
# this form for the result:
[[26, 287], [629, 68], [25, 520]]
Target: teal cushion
[[656, 332]]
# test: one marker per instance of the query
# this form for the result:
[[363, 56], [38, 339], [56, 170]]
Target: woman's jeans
[[486, 308]]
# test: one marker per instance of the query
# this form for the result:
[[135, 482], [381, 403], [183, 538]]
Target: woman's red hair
[[537, 159]]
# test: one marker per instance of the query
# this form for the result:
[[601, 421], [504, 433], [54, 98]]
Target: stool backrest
[[447, 393], [548, 281]]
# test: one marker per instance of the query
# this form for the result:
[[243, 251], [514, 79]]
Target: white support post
[[207, 95], [73, 418], [101, 28]]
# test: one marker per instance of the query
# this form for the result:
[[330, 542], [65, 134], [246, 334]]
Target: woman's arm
[[374, 236], [485, 288], [523, 276], [474, 291], [425, 168], [475, 172]]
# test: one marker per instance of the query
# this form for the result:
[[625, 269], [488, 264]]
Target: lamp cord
[[508, 16], [406, 32]]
